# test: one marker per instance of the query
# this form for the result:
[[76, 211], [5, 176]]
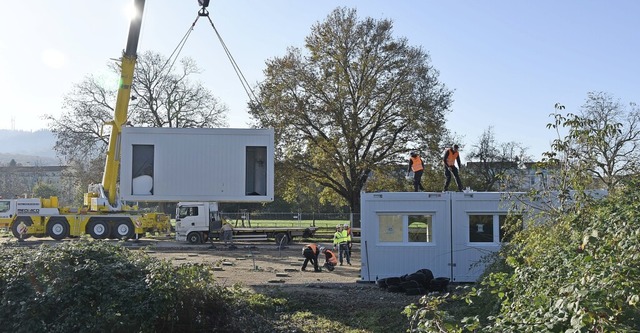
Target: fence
[[291, 219]]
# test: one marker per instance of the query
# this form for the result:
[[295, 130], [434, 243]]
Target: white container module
[[197, 164], [449, 233]]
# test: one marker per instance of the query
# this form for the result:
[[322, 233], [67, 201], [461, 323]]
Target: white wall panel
[[387, 259], [198, 164], [450, 254]]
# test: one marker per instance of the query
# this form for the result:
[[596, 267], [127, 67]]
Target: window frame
[[404, 220], [496, 227]]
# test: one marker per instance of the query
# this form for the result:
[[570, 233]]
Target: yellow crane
[[103, 215]]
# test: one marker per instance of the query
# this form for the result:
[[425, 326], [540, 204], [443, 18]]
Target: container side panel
[[197, 164]]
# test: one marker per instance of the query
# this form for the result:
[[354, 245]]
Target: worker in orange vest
[[451, 156], [330, 260], [310, 252], [417, 166]]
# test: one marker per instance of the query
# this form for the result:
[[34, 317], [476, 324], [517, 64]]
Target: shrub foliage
[[86, 286]]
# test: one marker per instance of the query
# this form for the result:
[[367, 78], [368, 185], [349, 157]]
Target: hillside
[[27, 148]]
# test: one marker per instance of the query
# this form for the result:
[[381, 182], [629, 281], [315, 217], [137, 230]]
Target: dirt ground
[[264, 268], [255, 264]]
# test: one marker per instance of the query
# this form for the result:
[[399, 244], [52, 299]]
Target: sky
[[508, 62]]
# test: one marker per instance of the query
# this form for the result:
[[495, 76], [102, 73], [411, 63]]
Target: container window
[[142, 170], [420, 228], [509, 225], [256, 171], [481, 228], [390, 228]]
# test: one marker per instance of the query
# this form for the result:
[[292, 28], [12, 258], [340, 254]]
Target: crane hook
[[203, 11]]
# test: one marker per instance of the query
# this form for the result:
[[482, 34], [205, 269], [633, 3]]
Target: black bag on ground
[[439, 284]]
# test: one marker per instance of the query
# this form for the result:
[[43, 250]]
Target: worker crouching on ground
[[330, 260], [310, 253], [340, 239]]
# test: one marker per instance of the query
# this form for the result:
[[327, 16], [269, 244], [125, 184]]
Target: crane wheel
[[58, 228], [123, 229], [98, 229], [16, 224]]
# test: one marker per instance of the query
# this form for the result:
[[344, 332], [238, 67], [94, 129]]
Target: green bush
[[86, 286]]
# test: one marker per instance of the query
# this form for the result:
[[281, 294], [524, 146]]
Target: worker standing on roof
[[451, 156], [310, 253], [330, 260], [340, 243], [416, 164]]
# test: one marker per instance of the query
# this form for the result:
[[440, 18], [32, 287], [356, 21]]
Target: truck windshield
[[188, 211], [4, 206]]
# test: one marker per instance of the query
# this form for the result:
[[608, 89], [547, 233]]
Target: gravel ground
[[264, 268]]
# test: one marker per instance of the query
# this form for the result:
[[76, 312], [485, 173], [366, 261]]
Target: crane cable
[[234, 64], [179, 47]]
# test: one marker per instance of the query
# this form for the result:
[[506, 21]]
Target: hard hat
[[346, 225], [322, 249], [338, 226], [413, 153]]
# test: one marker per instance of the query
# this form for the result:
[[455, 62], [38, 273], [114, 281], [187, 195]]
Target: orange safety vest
[[313, 248], [330, 258], [416, 163], [452, 157]]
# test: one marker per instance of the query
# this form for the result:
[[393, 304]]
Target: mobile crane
[[104, 215]]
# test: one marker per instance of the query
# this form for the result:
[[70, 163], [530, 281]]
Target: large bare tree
[[162, 96], [600, 149], [495, 165], [357, 99], [607, 134]]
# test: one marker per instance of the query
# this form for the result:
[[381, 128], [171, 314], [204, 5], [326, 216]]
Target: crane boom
[[129, 57]]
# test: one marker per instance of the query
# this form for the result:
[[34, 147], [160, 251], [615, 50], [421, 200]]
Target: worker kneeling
[[310, 253], [330, 260]]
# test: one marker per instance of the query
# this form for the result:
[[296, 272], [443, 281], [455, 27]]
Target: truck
[[103, 214], [199, 222]]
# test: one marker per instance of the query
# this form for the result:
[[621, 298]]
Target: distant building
[[19, 181], [516, 177]]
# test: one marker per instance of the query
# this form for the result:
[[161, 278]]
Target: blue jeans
[[344, 248]]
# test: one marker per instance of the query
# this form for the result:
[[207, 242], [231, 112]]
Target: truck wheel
[[98, 229], [14, 227], [58, 228], [123, 230], [194, 237], [282, 238]]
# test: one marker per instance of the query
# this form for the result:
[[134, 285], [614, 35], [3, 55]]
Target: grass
[[306, 312]]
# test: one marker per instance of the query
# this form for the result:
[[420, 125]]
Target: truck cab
[[197, 222], [7, 212]]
